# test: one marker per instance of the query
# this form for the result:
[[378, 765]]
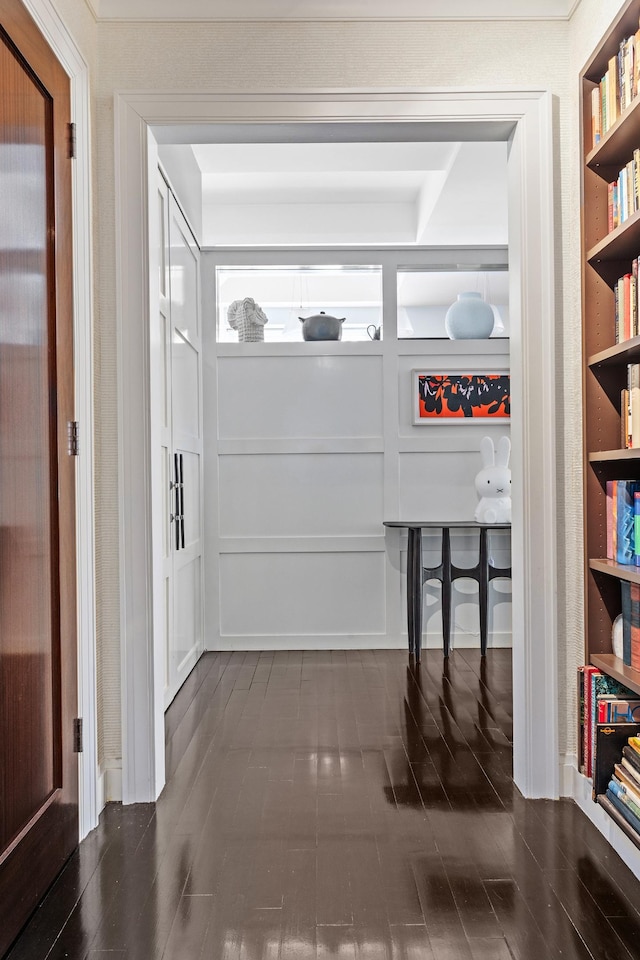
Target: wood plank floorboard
[[337, 805]]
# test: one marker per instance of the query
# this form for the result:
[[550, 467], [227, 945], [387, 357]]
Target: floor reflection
[[342, 805]]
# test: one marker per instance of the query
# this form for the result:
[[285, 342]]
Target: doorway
[[523, 121]]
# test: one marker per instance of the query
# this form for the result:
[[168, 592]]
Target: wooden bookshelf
[[607, 255]]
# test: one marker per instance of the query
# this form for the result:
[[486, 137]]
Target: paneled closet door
[[178, 415]]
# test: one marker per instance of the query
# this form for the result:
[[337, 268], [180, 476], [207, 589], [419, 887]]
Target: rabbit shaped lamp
[[493, 483]]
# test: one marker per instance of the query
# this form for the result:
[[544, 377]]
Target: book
[[633, 385], [613, 709], [626, 300], [628, 781], [616, 787], [610, 742], [636, 527], [630, 817], [586, 726], [634, 652], [596, 119], [611, 516], [632, 757], [625, 591], [581, 721], [625, 439], [634, 743], [625, 518], [632, 773]]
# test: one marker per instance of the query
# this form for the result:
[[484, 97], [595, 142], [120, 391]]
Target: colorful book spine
[[586, 727], [625, 591], [623, 711], [630, 755], [632, 772], [634, 653], [625, 523], [636, 528], [611, 519], [629, 816], [626, 780], [624, 797], [633, 383]]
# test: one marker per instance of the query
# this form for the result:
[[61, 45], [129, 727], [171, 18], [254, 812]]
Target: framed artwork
[[460, 397]]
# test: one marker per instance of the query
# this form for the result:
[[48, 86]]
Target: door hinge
[[77, 735], [72, 141], [73, 437]]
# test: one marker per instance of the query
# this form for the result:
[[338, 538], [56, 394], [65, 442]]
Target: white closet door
[[186, 639], [177, 439]]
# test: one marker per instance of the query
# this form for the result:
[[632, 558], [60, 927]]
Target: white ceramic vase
[[469, 318]]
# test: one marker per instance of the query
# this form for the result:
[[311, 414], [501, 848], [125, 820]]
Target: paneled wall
[[309, 446]]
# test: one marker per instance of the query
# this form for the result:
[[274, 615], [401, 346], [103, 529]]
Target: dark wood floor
[[341, 805]]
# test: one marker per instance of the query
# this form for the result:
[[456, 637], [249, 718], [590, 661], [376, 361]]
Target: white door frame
[[532, 316], [69, 56]]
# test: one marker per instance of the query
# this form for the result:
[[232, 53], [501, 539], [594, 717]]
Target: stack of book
[[623, 195], [627, 305], [617, 88], [597, 689], [622, 796], [623, 520]]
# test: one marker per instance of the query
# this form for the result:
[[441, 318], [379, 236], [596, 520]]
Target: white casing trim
[[65, 49], [533, 416]]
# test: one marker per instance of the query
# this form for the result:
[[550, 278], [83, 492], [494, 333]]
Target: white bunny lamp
[[493, 483]]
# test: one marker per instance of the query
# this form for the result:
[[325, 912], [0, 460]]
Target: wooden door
[[38, 697]]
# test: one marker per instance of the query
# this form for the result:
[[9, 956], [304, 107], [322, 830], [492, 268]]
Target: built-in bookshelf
[[610, 140]]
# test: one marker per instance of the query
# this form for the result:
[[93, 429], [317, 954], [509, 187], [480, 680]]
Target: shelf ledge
[[622, 571], [617, 355], [614, 667]]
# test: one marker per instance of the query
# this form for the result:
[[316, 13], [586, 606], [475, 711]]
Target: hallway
[[341, 805]]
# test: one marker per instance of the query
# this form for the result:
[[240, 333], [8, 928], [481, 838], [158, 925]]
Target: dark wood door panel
[[38, 696], [28, 555]]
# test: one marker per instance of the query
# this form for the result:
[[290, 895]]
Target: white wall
[[309, 447], [275, 56]]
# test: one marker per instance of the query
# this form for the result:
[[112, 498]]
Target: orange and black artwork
[[460, 396]]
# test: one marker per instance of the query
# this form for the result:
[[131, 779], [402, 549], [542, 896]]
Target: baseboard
[[578, 787], [109, 783], [374, 641]]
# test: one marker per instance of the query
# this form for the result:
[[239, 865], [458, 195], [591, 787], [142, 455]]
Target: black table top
[[448, 524]]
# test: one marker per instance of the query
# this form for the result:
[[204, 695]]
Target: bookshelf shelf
[[615, 668], [619, 355], [621, 244], [615, 456], [621, 571]]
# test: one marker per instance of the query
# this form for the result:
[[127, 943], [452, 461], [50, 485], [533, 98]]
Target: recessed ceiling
[[333, 9], [353, 193]]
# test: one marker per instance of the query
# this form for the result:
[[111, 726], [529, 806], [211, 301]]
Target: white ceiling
[[353, 193], [333, 9]]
